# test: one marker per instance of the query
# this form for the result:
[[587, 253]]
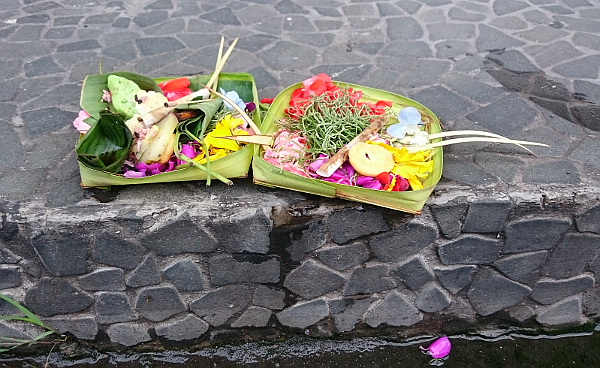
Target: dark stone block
[[289, 7], [586, 67], [185, 275], [40, 7], [589, 220], [255, 42], [545, 88], [90, 44], [471, 88], [287, 55], [42, 66], [160, 4], [159, 303], [551, 291], [150, 18], [50, 297], [564, 172], [114, 251], [516, 115], [108, 279], [523, 267], [510, 80], [145, 274], [114, 308], [225, 270], [233, 232], [188, 328], [588, 116], [404, 28], [414, 272], [348, 312], [558, 107], [27, 33], [400, 243], [491, 39], [595, 267], [432, 298], [564, 313], [591, 302], [222, 16], [158, 45], [303, 315], [456, 277], [124, 51], [328, 12], [491, 292], [513, 61], [470, 249], [189, 238], [128, 334], [348, 224], [67, 21], [394, 310], [59, 33], [446, 104], [486, 216], [369, 279], [104, 18], [121, 22], [344, 256], [297, 23], [269, 298], [449, 218], [253, 317], [386, 10], [328, 25], [310, 239], [7, 257], [571, 255], [43, 121], [84, 328], [34, 19], [7, 331], [218, 306], [62, 254], [13, 153], [10, 276], [312, 279], [458, 169], [527, 235], [352, 73]]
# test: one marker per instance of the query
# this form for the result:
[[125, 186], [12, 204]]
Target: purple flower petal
[[134, 174], [141, 166], [250, 106], [188, 150]]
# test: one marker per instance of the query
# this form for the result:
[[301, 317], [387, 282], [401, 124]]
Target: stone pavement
[[523, 69]]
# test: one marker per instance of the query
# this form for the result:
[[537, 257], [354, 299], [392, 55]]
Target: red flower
[[319, 84], [175, 88], [267, 101], [379, 107]]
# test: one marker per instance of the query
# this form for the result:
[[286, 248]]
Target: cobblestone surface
[[505, 234]]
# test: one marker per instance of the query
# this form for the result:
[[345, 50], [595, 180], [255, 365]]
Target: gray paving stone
[[459, 170], [345, 256], [217, 306], [461, 15], [121, 22], [160, 4], [588, 116], [510, 80], [103, 18], [561, 125], [11, 156], [571, 255], [312, 279], [549, 291], [591, 41], [184, 275], [63, 95], [545, 88], [386, 10], [192, 238], [591, 302], [486, 216], [444, 31], [527, 235], [34, 19], [509, 6], [398, 244], [446, 104], [188, 328], [403, 28], [424, 73], [49, 297], [414, 272], [158, 303], [548, 55], [150, 18], [491, 39], [455, 278], [563, 313], [409, 6], [578, 24], [348, 312], [586, 67], [394, 310], [115, 251], [289, 7], [369, 279], [268, 297], [253, 317], [470, 249], [67, 21], [432, 298], [114, 308], [10, 69], [491, 292], [451, 48], [350, 73], [232, 233], [505, 116], [310, 240], [471, 88], [79, 46], [145, 274], [59, 33], [10, 276], [304, 314], [523, 267], [107, 279], [328, 12], [157, 45], [590, 90], [27, 33], [221, 16], [349, 224], [586, 152], [43, 66], [513, 61], [503, 166], [11, 187], [167, 28], [225, 270], [255, 42], [297, 23], [8, 257], [128, 334], [84, 328], [589, 220], [564, 172], [40, 7], [557, 9], [557, 107], [62, 254]]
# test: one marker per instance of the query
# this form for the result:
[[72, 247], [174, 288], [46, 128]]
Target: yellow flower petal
[[411, 166]]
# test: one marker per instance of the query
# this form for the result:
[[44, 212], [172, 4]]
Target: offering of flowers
[[135, 129], [354, 142]]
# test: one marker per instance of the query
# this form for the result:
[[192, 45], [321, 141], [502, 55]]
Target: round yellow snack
[[370, 160]]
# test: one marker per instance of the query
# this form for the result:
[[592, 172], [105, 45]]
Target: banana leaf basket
[[412, 201], [234, 165]]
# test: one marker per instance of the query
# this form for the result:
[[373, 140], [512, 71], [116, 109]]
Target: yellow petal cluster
[[414, 167], [221, 147]]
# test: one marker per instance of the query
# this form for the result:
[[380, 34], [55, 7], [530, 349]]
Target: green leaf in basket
[[94, 84], [106, 145]]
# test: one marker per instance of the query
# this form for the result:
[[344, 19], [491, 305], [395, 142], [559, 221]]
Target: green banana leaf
[[234, 165], [106, 145], [93, 84], [409, 201], [196, 127]]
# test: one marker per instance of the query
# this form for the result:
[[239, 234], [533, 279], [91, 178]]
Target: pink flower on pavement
[[439, 350], [81, 125]]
